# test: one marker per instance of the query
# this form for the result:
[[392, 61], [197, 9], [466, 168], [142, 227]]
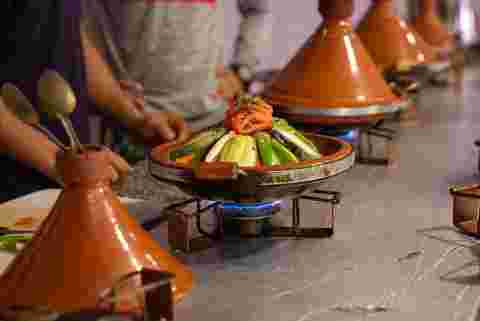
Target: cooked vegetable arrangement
[[251, 137]]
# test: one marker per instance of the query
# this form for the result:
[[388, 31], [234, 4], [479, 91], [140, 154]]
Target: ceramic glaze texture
[[332, 76], [390, 40], [430, 27], [85, 245]]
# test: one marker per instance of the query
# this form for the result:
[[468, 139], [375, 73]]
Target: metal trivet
[[365, 154], [182, 223], [378, 131], [477, 145]]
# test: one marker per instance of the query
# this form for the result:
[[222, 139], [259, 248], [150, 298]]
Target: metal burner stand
[[365, 154], [181, 223], [379, 131]]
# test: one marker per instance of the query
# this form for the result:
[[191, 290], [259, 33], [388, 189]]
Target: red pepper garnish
[[254, 116]]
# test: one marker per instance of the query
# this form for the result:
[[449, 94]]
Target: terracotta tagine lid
[[332, 79], [87, 243], [430, 27], [390, 40]]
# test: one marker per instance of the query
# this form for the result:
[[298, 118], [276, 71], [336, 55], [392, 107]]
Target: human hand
[[158, 127], [119, 167], [229, 84], [164, 127], [262, 80]]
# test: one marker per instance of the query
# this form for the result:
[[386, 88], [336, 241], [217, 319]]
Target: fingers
[[139, 103], [132, 86], [181, 127], [119, 167], [161, 124], [113, 174]]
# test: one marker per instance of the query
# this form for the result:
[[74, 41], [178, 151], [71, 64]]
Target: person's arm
[[107, 93], [254, 35], [27, 145], [105, 90], [33, 149]]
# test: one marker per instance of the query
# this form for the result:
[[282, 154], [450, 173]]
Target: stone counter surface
[[382, 262]]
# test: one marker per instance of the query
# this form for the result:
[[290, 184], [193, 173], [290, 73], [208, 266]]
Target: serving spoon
[[21, 107], [58, 101]]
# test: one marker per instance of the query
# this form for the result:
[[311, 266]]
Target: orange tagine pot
[[86, 244], [390, 40], [430, 27], [332, 79]]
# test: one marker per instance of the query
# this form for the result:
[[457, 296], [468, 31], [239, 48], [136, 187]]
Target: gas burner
[[248, 220], [250, 211], [349, 134], [186, 232]]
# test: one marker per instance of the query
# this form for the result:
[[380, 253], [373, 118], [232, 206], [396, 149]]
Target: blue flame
[[349, 136], [250, 210]]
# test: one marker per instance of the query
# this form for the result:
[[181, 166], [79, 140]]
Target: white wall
[[294, 22]]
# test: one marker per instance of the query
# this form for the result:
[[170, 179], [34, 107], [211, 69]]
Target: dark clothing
[[40, 35], [18, 180], [45, 34]]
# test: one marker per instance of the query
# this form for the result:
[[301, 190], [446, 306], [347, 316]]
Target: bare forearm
[[26, 145], [105, 90]]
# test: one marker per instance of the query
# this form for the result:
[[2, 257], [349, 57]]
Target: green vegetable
[[267, 154], [217, 148], [240, 149], [9, 242], [200, 143], [283, 153], [307, 149], [251, 153]]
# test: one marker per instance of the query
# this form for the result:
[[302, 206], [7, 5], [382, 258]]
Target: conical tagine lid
[[429, 26], [86, 244], [390, 40], [332, 79]]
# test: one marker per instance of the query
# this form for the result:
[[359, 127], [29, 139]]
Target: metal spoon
[[19, 105], [58, 100]]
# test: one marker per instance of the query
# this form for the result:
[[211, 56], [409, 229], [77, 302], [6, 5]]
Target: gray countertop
[[380, 264]]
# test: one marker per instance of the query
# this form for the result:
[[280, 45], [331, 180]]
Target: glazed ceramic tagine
[[332, 80], [86, 244], [430, 27], [392, 43]]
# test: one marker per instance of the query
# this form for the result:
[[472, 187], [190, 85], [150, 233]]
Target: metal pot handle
[[155, 286], [457, 190]]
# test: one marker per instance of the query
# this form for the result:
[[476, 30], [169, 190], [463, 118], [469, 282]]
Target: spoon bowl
[[21, 107], [18, 104], [55, 94], [58, 100]]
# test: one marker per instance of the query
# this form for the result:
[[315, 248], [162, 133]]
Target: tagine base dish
[[261, 184]]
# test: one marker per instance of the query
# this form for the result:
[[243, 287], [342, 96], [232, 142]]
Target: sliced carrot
[[184, 160], [249, 118]]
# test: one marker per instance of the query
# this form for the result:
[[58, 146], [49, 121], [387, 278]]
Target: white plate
[[27, 212]]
